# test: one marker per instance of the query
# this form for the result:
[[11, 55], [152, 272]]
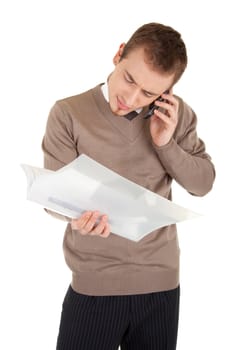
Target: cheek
[[143, 101], [114, 86]]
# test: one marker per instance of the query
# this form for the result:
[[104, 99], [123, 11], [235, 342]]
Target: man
[[125, 293]]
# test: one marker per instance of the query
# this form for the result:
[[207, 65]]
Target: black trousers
[[133, 322]]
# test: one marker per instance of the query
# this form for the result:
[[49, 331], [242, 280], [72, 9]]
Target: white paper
[[84, 184]]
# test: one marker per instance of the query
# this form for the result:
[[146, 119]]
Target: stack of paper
[[84, 184]]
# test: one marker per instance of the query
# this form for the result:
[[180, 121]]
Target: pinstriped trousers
[[133, 322]]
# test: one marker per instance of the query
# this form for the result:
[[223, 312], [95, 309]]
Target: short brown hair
[[163, 46]]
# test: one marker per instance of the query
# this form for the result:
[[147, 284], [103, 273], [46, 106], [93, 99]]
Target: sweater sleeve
[[58, 144], [185, 158]]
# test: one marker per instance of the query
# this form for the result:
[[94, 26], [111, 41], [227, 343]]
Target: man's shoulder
[[76, 107], [186, 117], [78, 99], [185, 111]]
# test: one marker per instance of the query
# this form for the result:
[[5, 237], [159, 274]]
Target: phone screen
[[152, 106]]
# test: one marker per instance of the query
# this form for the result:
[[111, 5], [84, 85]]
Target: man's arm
[[59, 146], [60, 149], [184, 155]]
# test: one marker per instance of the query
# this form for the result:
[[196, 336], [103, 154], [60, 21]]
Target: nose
[[133, 97]]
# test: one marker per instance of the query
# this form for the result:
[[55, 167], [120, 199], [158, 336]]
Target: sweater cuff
[[171, 155]]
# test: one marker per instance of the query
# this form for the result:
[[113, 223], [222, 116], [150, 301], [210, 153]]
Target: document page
[[84, 184]]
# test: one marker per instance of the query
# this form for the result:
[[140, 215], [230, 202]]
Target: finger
[[171, 101], [91, 222], [100, 226], [106, 231], [165, 118], [86, 222], [168, 101], [81, 221], [168, 110], [170, 97]]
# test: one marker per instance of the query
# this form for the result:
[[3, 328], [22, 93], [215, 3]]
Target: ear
[[118, 55]]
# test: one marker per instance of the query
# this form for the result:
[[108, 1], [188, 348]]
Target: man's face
[[133, 83]]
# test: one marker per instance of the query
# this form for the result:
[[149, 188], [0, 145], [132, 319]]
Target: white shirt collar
[[104, 89]]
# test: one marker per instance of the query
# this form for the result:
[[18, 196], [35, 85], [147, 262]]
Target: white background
[[53, 49]]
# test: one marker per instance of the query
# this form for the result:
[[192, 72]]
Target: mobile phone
[[153, 106]]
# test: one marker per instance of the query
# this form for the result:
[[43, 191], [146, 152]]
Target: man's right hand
[[92, 223]]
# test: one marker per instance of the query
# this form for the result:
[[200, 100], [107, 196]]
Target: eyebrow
[[131, 78]]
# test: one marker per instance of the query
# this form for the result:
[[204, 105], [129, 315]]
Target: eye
[[147, 94], [128, 79]]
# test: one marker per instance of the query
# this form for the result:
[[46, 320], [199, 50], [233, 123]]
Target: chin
[[117, 114]]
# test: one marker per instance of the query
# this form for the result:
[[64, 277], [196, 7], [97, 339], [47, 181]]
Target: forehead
[[144, 74]]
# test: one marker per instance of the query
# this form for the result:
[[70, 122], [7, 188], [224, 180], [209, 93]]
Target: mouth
[[122, 106]]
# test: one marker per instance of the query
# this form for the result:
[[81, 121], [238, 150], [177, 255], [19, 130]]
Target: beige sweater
[[84, 124]]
